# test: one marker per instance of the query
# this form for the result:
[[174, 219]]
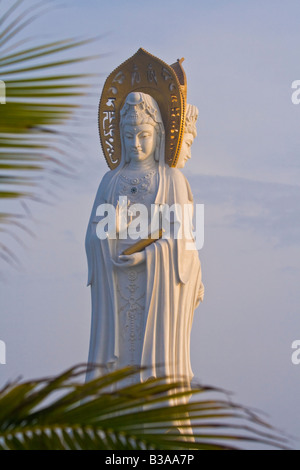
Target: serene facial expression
[[140, 141], [185, 152]]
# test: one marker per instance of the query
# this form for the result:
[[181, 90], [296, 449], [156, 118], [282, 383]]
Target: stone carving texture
[[143, 304]]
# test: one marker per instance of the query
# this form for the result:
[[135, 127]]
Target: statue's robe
[[173, 289]]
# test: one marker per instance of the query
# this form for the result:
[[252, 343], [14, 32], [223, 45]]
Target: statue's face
[[139, 141], [185, 152]]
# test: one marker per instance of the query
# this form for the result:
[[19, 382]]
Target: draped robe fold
[[173, 289]]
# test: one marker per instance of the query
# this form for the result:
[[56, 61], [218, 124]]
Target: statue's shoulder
[[106, 180], [176, 177], [179, 185], [108, 176], [103, 187]]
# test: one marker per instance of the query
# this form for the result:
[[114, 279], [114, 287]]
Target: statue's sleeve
[[186, 252], [99, 199]]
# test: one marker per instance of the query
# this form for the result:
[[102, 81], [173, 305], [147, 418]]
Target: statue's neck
[[143, 166]]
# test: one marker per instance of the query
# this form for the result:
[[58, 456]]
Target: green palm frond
[[40, 98], [103, 414]]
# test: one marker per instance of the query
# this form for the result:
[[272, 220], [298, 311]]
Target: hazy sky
[[241, 59]]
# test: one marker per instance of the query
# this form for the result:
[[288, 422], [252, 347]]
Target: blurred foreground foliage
[[40, 98], [62, 413]]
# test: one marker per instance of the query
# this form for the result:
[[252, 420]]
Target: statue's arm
[[187, 258], [180, 193], [99, 199]]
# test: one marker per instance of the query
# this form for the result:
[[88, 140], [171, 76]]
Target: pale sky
[[240, 59]]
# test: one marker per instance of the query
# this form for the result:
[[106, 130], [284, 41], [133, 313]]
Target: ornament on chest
[[136, 188]]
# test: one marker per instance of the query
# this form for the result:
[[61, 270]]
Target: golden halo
[[145, 73]]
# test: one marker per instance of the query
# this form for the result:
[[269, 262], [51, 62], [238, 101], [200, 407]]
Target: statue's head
[[141, 128], [190, 132]]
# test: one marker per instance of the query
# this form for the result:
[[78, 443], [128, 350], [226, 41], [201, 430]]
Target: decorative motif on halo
[[145, 73]]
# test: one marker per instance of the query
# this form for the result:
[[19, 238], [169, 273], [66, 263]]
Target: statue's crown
[[148, 74], [135, 111], [178, 69]]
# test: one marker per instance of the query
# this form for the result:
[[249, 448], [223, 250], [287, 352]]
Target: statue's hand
[[131, 260]]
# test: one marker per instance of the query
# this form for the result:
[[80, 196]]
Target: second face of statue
[[185, 152], [139, 142]]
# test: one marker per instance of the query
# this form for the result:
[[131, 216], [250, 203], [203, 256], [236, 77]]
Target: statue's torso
[[139, 188]]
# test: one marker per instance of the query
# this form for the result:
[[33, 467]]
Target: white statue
[[142, 303], [190, 133]]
